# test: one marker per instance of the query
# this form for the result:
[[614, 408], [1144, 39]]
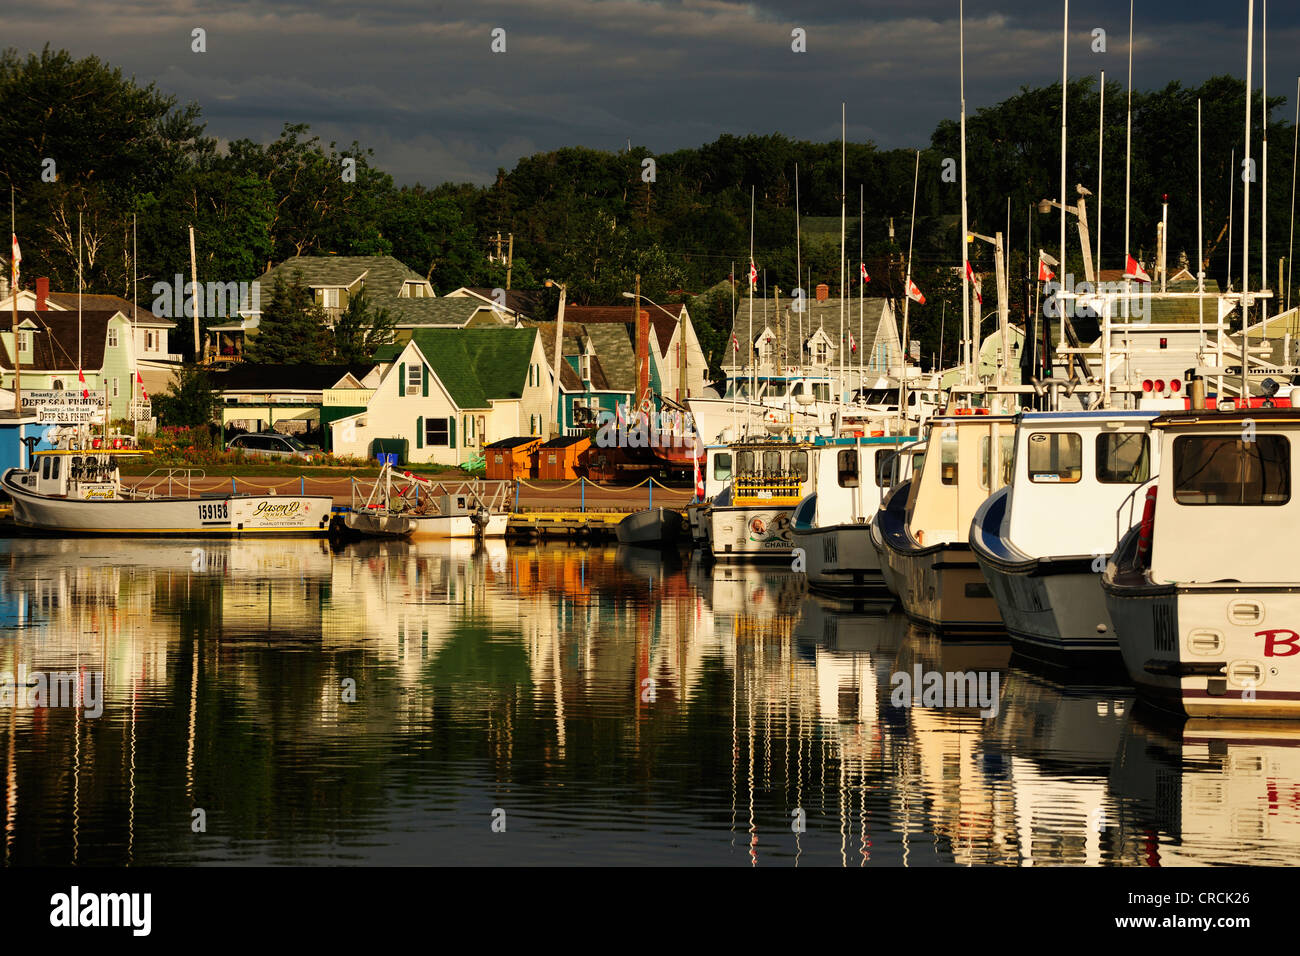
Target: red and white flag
[[753, 274], [853, 343], [914, 293], [1135, 271], [699, 479], [139, 381], [15, 257], [81, 376], [735, 343], [865, 278], [1044, 260], [979, 289]]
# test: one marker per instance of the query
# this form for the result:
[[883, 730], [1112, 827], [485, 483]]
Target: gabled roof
[[478, 366], [796, 328], [55, 340], [526, 303], [446, 311], [100, 303], [384, 275], [256, 377]]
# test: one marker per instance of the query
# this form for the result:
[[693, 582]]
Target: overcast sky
[[419, 83]]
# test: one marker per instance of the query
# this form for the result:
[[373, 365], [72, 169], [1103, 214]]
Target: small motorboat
[[651, 528]]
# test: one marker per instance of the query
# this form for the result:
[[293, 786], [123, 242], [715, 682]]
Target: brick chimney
[[42, 293]]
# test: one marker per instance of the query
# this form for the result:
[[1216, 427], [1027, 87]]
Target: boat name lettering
[[214, 511], [267, 509], [1279, 637]]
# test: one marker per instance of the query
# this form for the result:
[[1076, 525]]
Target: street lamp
[[1081, 213], [558, 424], [681, 341]]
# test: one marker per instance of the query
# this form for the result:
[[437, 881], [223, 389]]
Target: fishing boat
[[905, 466], [925, 537], [1206, 608], [76, 488], [653, 528], [750, 518], [831, 527], [1046, 574]]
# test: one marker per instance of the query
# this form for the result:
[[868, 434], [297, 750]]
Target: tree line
[[82, 142]]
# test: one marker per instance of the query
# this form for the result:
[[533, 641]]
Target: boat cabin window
[[799, 464], [54, 467], [847, 466], [772, 463], [1055, 457], [948, 457], [45, 467], [1224, 470], [822, 391], [884, 467], [721, 467], [1123, 458], [1006, 463], [745, 463]]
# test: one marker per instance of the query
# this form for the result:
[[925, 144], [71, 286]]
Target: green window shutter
[[451, 432], [401, 379], [419, 432], [425, 383]]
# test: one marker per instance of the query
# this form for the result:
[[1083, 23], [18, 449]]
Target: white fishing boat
[[1206, 608], [924, 536], [750, 519], [832, 526], [1075, 469], [906, 465], [77, 489]]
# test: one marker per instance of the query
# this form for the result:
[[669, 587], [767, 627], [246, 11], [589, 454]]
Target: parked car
[[272, 445]]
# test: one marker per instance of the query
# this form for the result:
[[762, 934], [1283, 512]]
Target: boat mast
[[1295, 154], [798, 265], [862, 286], [1263, 163], [1101, 155], [907, 284], [1065, 91], [965, 284], [1245, 210], [749, 347], [13, 291], [843, 201], [1128, 159]]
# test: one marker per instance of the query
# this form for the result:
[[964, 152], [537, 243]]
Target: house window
[[437, 431], [112, 338], [150, 340], [413, 378], [584, 367], [468, 431], [329, 298], [24, 341], [115, 381]]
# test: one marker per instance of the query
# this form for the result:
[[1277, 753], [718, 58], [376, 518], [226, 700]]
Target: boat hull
[[840, 559], [228, 516], [1183, 651], [750, 533], [654, 527], [427, 527]]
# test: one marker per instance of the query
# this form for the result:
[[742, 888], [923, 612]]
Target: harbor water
[[176, 702]]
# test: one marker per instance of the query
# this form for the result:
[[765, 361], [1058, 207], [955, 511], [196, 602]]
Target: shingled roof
[[55, 340], [477, 366], [872, 320], [100, 303], [257, 377], [384, 275]]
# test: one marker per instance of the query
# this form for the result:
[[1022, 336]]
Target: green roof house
[[447, 392]]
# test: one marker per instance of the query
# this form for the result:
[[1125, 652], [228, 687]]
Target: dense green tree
[[361, 330], [190, 400], [292, 329]]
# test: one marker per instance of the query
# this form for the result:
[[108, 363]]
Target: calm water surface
[[606, 706]]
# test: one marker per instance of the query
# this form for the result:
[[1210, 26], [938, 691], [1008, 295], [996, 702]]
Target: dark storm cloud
[[418, 83]]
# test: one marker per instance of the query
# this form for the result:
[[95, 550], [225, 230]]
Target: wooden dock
[[565, 524]]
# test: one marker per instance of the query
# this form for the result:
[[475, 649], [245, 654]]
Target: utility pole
[[510, 258], [198, 299], [559, 357]]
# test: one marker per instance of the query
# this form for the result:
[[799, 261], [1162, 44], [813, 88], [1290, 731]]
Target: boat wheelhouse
[[1206, 606], [750, 519], [926, 536], [1041, 542], [765, 404], [832, 525]]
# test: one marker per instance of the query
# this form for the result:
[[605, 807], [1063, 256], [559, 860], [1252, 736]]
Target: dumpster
[[389, 450], [558, 459], [509, 458]]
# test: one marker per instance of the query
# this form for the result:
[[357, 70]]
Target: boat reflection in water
[[378, 703]]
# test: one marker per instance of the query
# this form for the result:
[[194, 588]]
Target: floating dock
[[565, 524]]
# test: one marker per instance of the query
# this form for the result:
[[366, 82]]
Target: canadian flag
[[735, 343], [15, 257], [979, 289], [853, 343], [139, 381], [753, 274], [863, 269], [1134, 271], [914, 293], [699, 479], [1044, 260], [81, 376]]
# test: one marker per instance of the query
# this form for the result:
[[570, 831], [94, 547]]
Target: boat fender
[[1147, 528]]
